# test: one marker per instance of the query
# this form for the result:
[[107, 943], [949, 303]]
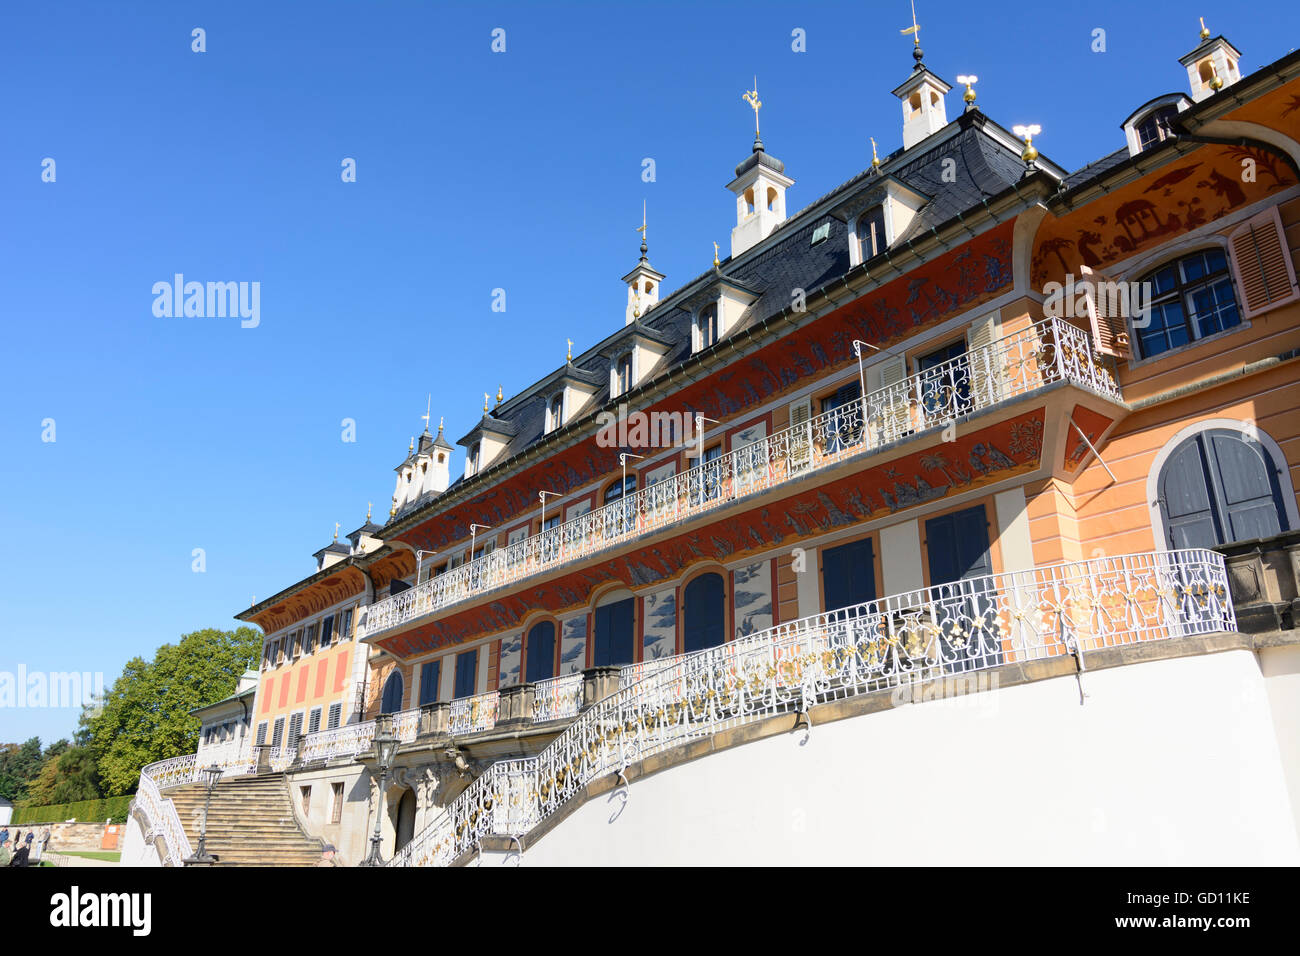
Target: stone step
[[250, 822]]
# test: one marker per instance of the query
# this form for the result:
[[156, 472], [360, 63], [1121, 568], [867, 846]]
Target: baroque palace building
[[970, 425]]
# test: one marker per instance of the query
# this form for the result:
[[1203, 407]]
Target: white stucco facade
[[1176, 762]]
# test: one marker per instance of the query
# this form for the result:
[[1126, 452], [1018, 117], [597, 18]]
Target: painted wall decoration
[[753, 598], [976, 458], [660, 638], [512, 657], [573, 645], [1093, 425], [950, 283], [1192, 191]]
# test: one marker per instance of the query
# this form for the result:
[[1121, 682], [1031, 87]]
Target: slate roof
[[986, 165]]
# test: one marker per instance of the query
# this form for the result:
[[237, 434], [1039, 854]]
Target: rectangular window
[[313, 721], [430, 672], [1189, 299], [277, 733], [336, 712], [306, 801], [345, 629], [336, 802], [871, 233], [848, 574], [466, 672], [327, 632], [614, 633], [261, 734], [309, 644]]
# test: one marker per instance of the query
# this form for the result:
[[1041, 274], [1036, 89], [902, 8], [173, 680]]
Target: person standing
[[4, 834], [6, 852], [19, 857]]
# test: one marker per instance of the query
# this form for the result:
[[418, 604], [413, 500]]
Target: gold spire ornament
[[875, 160], [440, 418], [1028, 133], [392, 512], [336, 531], [486, 401], [755, 104], [500, 394], [642, 229], [368, 507], [716, 263], [569, 355], [411, 446], [1205, 31], [428, 407], [970, 80]]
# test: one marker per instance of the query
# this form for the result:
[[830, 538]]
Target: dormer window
[[869, 233], [555, 413], [1156, 127], [706, 327], [623, 373], [473, 457]]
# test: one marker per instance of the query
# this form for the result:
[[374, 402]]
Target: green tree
[[145, 715], [19, 766]]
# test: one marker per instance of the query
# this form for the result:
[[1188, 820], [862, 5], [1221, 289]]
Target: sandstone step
[[250, 822]]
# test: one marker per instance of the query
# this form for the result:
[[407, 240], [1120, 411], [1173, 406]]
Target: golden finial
[[969, 96], [440, 417], [755, 104], [428, 407], [1205, 31], [642, 229], [715, 256], [569, 355], [411, 446], [875, 160], [1028, 132], [500, 394], [486, 400], [368, 506], [392, 512], [336, 531]]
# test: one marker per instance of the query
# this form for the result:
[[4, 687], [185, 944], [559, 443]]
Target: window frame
[[1180, 292]]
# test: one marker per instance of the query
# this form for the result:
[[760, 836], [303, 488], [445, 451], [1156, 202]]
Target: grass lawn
[[111, 855]]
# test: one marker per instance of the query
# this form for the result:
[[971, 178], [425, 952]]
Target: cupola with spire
[[922, 93], [642, 282], [760, 186], [427, 468], [1214, 64]]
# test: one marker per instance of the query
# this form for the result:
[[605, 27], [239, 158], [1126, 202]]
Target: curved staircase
[[250, 822]]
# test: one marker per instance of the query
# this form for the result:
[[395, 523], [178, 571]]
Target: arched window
[[704, 613], [1218, 487], [1155, 127], [539, 649], [473, 458], [749, 201], [555, 414], [623, 374], [1190, 298], [620, 488], [707, 331], [393, 689]]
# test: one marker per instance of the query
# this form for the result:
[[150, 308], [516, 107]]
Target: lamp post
[[419, 562], [699, 428], [385, 749], [201, 856]]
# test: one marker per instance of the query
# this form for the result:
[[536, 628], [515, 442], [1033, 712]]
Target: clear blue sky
[[475, 170]]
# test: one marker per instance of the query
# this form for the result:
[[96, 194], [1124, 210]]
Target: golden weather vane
[[641, 229], [751, 97], [428, 407], [915, 28], [336, 531]]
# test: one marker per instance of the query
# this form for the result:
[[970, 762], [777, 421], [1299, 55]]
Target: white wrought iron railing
[[346, 741], [1042, 354], [557, 698], [950, 630], [161, 820]]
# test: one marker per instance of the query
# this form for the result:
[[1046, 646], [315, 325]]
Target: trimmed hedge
[[113, 809]]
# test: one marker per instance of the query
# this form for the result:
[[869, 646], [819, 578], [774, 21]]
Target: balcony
[[954, 632], [1049, 352]]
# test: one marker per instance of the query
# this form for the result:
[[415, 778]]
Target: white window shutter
[[1262, 264], [889, 413], [800, 446], [1108, 324], [985, 366]]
